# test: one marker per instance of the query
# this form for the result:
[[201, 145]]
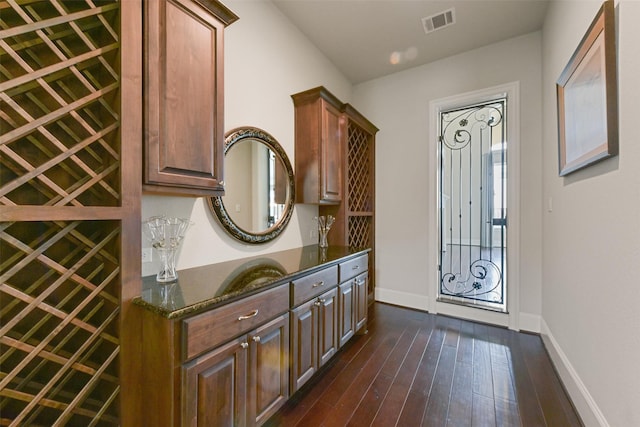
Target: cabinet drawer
[[208, 330], [313, 284], [353, 267]]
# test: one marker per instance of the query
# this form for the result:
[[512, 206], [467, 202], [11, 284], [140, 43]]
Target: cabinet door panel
[[346, 311], [269, 375], [327, 326], [331, 154], [361, 301], [214, 391], [304, 328], [183, 96]]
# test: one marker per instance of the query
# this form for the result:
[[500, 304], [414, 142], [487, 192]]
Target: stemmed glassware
[[165, 234], [324, 225]]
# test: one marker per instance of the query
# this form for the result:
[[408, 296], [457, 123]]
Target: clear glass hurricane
[[324, 225], [165, 234]]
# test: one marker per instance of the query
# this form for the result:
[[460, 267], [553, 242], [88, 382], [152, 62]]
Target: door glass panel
[[473, 205]]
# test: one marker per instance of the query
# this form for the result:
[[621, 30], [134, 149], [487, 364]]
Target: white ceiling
[[360, 36]]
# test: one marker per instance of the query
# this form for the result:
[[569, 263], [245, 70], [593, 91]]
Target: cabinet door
[[327, 325], [304, 343], [214, 392], [269, 369], [347, 311], [183, 95], [331, 155], [361, 300]]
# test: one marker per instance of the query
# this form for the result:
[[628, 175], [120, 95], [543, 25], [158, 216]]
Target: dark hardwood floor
[[413, 368]]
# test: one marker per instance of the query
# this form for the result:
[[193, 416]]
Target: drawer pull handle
[[355, 267], [254, 313], [256, 338], [315, 285], [244, 345]]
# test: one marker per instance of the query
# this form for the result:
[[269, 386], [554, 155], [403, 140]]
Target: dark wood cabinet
[[353, 297], [268, 369], [347, 321], [361, 287], [183, 96], [319, 129], [355, 217], [241, 383], [335, 168], [215, 387], [238, 362], [314, 337]]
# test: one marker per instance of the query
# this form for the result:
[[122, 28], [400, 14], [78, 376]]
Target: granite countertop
[[201, 288]]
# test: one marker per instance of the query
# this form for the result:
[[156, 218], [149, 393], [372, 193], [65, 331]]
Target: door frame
[[509, 319]]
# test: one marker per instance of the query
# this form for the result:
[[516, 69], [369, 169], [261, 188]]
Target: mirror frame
[[216, 204]]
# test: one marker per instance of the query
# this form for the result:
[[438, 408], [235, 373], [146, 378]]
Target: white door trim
[[512, 92]]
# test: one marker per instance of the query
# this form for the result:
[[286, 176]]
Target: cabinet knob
[[221, 183], [244, 345], [254, 313], [317, 303], [315, 285], [256, 338], [355, 267]]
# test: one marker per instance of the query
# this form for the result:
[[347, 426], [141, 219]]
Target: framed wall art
[[588, 99]]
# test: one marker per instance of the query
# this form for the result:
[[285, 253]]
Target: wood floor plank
[[415, 368], [482, 375], [438, 406], [386, 354], [371, 402], [526, 396], [483, 413], [460, 407], [393, 402]]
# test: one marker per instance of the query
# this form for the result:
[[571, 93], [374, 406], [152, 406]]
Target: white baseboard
[[580, 396], [405, 299], [530, 322]]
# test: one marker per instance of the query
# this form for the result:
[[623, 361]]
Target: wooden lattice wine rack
[[355, 216], [61, 212]]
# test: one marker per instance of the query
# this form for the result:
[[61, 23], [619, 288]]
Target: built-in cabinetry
[[183, 96], [237, 363], [352, 295], [318, 136], [226, 366], [329, 131], [242, 382], [314, 323]]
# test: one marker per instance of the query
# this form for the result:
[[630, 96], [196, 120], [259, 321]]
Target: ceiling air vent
[[438, 21]]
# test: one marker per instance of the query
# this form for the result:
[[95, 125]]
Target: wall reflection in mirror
[[259, 187]]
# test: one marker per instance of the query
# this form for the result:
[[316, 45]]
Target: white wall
[[406, 233], [267, 59], [591, 239]]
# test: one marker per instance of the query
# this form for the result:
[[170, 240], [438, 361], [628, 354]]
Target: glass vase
[[322, 242], [165, 235], [167, 272]]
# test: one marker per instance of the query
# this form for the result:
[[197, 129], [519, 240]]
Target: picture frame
[[588, 99]]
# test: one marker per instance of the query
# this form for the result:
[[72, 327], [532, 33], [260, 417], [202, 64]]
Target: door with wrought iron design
[[472, 202]]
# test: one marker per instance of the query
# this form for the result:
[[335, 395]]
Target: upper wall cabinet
[[319, 129], [184, 95]]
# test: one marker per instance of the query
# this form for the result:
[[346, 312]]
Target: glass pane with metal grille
[[473, 205]]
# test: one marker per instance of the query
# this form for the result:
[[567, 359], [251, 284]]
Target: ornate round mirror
[[259, 187]]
